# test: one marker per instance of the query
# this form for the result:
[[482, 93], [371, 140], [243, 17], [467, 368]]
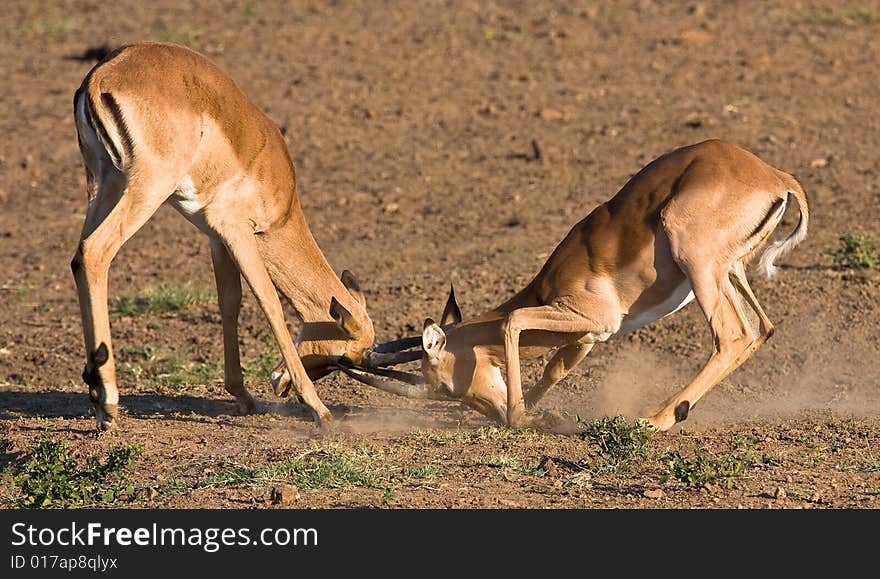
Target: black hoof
[[681, 411]]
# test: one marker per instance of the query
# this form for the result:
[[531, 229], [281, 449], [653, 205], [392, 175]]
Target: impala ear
[[433, 339], [353, 287], [344, 319], [451, 313]]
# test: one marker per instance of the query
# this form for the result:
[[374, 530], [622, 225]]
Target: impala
[[157, 123], [684, 227]]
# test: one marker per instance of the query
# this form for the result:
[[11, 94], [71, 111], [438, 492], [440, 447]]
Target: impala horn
[[394, 352], [412, 386]]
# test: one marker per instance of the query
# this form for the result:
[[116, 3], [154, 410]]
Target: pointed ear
[[344, 319], [451, 313], [433, 339], [353, 287]]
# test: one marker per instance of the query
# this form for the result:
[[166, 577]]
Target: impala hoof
[[106, 417], [280, 382], [326, 423], [246, 405]]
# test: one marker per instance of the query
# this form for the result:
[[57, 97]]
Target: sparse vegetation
[[470, 436], [316, 469], [705, 470], [857, 251], [48, 477], [859, 17], [420, 472], [258, 368], [620, 444], [47, 25], [19, 290], [150, 367], [164, 299], [503, 461]]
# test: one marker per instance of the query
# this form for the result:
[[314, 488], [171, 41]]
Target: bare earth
[[413, 131]]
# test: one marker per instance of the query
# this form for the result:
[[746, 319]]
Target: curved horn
[[398, 345], [421, 391], [374, 359]]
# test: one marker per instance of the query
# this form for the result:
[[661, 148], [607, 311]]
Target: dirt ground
[[412, 129]]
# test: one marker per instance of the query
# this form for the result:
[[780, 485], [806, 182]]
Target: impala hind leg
[[243, 248], [738, 277], [562, 362], [115, 213], [556, 318], [228, 281], [732, 341]]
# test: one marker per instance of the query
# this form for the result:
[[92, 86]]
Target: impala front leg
[[243, 249], [228, 281], [562, 362], [516, 406], [556, 318]]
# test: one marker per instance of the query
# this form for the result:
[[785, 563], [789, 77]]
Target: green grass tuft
[[857, 251], [50, 478], [620, 444], [150, 367], [313, 470], [704, 470], [503, 461], [164, 299]]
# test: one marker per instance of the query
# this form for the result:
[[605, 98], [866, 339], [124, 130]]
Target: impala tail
[[777, 249]]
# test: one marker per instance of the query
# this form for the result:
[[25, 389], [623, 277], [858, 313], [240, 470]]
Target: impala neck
[[301, 273]]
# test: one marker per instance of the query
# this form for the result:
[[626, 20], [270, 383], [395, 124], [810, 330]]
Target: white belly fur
[[186, 200], [682, 296]]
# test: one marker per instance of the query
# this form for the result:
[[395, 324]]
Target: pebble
[[550, 114], [284, 494], [696, 37], [654, 494]]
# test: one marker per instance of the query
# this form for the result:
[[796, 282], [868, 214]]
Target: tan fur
[[159, 122], [693, 216]]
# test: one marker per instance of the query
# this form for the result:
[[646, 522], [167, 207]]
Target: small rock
[[654, 494], [694, 121], [550, 114], [818, 163], [284, 494], [391, 207], [816, 498], [695, 37], [779, 494], [697, 9]]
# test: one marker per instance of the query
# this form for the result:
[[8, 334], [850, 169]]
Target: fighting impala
[[158, 123], [682, 228]]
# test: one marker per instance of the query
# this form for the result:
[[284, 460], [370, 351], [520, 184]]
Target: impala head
[[450, 370], [345, 334], [438, 363], [463, 372]]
